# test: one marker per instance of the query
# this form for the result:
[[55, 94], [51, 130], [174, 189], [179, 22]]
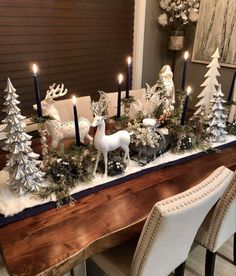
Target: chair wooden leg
[[210, 263], [179, 271], [234, 249], [72, 272]]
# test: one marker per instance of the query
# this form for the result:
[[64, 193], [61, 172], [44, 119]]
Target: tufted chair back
[[65, 108], [171, 227], [220, 224], [112, 107]]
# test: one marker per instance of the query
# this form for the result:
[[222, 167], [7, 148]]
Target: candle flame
[[186, 55], [120, 78], [189, 89], [74, 100], [35, 68], [129, 60]]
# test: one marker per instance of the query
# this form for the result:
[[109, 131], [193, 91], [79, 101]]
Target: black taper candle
[[128, 80], [119, 96], [77, 135], [37, 94], [184, 71], [232, 88], [183, 118]]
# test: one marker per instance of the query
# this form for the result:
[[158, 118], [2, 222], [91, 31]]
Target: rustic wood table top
[[53, 242]]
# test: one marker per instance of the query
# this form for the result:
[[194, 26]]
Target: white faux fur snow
[[10, 204]]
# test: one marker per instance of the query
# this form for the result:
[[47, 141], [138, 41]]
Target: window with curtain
[[81, 43]]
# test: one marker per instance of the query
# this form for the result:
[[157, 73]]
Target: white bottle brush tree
[[209, 84], [23, 164], [217, 118]]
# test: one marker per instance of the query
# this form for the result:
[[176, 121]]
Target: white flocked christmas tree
[[209, 84], [217, 118], [23, 164]]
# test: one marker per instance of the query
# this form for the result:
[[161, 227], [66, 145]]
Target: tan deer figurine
[[59, 131]]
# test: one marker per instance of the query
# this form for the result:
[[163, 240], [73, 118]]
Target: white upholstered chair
[[65, 108], [3, 271], [113, 97], [218, 227], [168, 233]]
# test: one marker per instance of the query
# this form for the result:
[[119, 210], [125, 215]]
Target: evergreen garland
[[116, 164], [183, 138], [66, 171], [231, 128], [41, 120], [161, 89], [185, 142], [128, 100]]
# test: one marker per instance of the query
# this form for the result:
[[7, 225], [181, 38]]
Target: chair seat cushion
[[117, 260]]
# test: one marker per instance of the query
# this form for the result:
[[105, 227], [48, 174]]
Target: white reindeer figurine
[[105, 143], [59, 131]]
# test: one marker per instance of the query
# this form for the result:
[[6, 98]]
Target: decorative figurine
[[22, 164], [105, 143], [48, 107], [217, 118], [59, 131], [209, 84], [148, 103], [167, 76], [148, 141], [99, 108]]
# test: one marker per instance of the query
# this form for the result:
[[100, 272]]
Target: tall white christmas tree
[[209, 84], [23, 164], [217, 118]]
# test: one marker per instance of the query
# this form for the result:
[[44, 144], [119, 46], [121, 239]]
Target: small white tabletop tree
[[217, 118], [23, 164], [209, 84]]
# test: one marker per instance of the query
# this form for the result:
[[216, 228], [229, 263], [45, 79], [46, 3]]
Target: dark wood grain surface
[[55, 241]]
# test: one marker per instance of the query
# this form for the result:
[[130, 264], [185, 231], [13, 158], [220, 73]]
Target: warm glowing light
[[120, 78], [186, 55], [35, 68], [129, 60], [74, 100], [189, 89]]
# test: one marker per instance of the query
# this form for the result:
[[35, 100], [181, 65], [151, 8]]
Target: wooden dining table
[[55, 241]]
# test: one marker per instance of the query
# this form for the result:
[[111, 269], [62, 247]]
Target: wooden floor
[[224, 261], [195, 262]]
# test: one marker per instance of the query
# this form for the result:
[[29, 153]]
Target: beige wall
[[196, 71], [156, 55]]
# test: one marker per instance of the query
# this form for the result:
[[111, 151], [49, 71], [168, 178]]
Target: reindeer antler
[[99, 107], [94, 108], [55, 91], [104, 101]]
